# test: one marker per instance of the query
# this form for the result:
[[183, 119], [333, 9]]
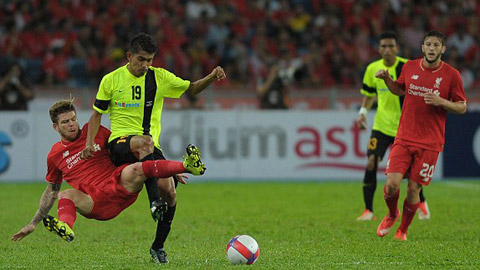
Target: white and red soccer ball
[[242, 249]]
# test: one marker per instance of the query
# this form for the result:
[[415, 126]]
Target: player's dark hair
[[143, 42], [437, 34], [59, 107], [388, 34]]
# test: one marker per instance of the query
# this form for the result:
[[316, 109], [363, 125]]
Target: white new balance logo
[[96, 147], [414, 77]]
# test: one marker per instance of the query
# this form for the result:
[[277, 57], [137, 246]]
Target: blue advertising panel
[[462, 146]]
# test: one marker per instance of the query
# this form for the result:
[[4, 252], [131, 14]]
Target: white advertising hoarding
[[235, 145], [270, 145]]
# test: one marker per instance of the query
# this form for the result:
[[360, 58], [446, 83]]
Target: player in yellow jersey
[[133, 97], [386, 120]]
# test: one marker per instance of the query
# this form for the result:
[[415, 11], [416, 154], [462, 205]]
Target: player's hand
[[87, 152], [218, 73], [274, 69], [181, 178], [382, 74], [23, 232], [433, 99], [361, 122]]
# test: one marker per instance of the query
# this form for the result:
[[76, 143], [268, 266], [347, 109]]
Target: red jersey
[[64, 163], [423, 125]]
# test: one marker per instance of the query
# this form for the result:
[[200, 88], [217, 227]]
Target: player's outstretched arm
[[198, 86], [93, 126], [394, 87], [262, 89], [453, 107], [46, 202]]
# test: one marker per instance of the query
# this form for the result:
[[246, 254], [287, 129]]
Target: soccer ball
[[242, 249]]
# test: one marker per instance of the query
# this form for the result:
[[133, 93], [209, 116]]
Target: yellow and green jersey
[[135, 103], [389, 107]]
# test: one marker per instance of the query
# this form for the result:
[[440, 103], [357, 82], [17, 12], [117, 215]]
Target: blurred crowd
[[328, 43]]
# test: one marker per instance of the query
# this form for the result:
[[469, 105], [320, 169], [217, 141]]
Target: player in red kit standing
[[431, 88], [100, 191]]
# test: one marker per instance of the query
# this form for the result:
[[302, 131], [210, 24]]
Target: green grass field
[[306, 225]]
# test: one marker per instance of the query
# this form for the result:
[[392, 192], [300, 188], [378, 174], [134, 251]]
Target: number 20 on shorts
[[427, 171]]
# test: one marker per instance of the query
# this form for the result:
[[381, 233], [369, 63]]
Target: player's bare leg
[[410, 206], [168, 191], [69, 202], [142, 147], [83, 202], [391, 194], [413, 192]]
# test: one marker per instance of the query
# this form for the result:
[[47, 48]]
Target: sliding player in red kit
[[100, 191], [431, 88]]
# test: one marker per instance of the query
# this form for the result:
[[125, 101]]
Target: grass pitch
[[306, 225]]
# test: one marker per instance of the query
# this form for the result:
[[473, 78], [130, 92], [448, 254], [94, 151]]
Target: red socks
[[162, 168], [409, 211], [392, 202], [67, 211]]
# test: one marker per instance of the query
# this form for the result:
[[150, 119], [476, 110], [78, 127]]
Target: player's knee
[[62, 195], [147, 145], [392, 187], [413, 187], [143, 145], [137, 169], [66, 194]]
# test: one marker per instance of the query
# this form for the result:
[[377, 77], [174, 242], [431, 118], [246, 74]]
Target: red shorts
[[417, 162], [110, 198]]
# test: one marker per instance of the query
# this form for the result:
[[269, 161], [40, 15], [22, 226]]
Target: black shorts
[[120, 151], [378, 143]]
